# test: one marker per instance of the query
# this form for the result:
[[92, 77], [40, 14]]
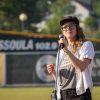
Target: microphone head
[[61, 36], [62, 45]]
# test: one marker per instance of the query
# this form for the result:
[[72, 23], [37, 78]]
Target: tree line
[[50, 11]]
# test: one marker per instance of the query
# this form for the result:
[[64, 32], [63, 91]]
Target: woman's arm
[[79, 64], [54, 75], [51, 70]]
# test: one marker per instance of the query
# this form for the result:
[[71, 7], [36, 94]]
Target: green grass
[[34, 93], [96, 93], [25, 93]]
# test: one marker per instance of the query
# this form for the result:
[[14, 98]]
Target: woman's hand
[[63, 41], [50, 68]]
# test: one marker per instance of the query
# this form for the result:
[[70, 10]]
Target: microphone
[[61, 45]]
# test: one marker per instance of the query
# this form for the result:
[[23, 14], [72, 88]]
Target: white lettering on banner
[[54, 45], [16, 45], [46, 46]]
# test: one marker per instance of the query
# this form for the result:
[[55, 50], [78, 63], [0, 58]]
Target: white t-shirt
[[83, 79]]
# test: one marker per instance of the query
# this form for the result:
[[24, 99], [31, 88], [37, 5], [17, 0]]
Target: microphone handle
[[62, 45]]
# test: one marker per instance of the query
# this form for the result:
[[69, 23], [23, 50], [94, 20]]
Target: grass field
[[32, 93]]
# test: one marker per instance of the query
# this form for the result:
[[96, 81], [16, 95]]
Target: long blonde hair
[[80, 38]]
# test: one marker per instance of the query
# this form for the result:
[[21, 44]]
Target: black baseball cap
[[69, 19]]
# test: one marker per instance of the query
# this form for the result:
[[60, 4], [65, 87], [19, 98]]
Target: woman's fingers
[[50, 68], [60, 41]]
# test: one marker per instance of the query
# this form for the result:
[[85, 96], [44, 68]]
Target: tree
[[36, 11], [58, 9], [11, 9], [90, 23], [96, 6]]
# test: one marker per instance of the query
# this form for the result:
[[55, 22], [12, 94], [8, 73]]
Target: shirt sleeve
[[87, 50]]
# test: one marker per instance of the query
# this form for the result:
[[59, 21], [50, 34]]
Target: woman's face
[[69, 30]]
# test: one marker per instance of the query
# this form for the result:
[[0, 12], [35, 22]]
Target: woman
[[75, 63]]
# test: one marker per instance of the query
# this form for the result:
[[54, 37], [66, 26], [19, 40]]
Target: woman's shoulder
[[87, 43]]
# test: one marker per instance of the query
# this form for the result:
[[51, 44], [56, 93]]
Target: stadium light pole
[[23, 17]]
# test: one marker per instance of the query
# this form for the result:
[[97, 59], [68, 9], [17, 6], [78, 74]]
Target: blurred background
[[29, 32]]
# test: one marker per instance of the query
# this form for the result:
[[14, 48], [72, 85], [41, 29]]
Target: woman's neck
[[71, 41]]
